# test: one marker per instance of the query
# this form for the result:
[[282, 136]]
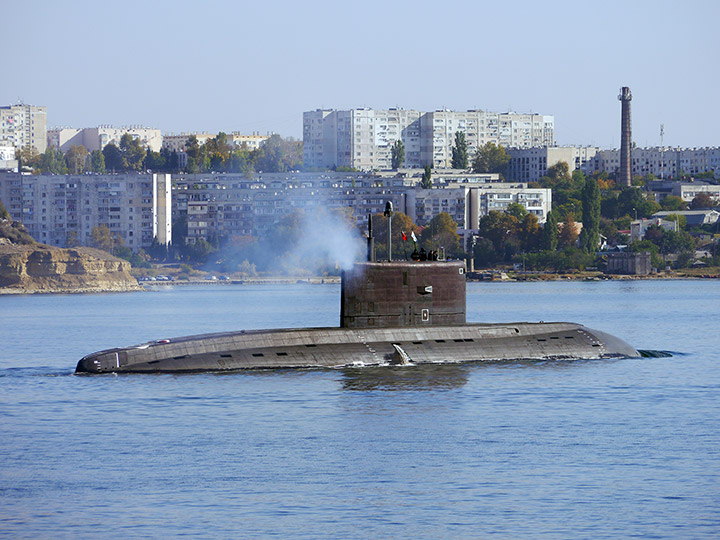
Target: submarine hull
[[344, 347]]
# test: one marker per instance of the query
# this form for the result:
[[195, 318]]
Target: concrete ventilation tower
[[625, 178]]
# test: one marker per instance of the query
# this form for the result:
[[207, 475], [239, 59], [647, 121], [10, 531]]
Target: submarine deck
[[339, 347]]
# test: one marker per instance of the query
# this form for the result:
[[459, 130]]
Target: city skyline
[[224, 67]]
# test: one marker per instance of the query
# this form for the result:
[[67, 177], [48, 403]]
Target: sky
[[225, 65]]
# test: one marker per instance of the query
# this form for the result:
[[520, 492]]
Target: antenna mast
[[662, 152]]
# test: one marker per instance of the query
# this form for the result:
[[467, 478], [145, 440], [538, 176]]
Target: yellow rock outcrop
[[45, 269]]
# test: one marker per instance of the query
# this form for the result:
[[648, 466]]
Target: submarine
[[391, 313]]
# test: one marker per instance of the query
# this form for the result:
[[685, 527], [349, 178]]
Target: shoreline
[[509, 277]]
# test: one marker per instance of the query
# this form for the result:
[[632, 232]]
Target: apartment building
[[23, 125], [251, 142], [363, 138], [177, 142], [140, 207], [52, 207], [687, 191], [233, 205], [659, 161], [531, 164], [97, 138]]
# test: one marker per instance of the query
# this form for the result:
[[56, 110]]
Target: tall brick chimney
[[625, 177]]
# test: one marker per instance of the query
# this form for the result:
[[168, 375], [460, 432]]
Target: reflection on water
[[389, 378]]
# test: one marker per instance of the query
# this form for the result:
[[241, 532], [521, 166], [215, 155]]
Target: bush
[[571, 258]]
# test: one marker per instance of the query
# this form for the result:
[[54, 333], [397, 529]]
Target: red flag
[[404, 237]]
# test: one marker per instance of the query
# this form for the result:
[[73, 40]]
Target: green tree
[[192, 149], [677, 242], [76, 159], [441, 232], [590, 235], [400, 223], [484, 253], [529, 232], [677, 218], [71, 239], [397, 154], [550, 232], [568, 232], [631, 202], [279, 155], [566, 187], [702, 200], [132, 152], [27, 156], [97, 161], [672, 203], [102, 238], [154, 161], [218, 152], [558, 174], [460, 152], [113, 158], [490, 158], [500, 228], [426, 181], [517, 210], [52, 161]]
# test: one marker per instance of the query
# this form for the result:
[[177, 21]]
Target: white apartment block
[[685, 190], [97, 138], [177, 141], [530, 164], [231, 204], [363, 138], [7, 153], [251, 142], [135, 206], [662, 162], [23, 125]]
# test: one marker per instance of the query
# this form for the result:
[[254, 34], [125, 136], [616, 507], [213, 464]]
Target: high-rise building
[[55, 208], [177, 141], [662, 162], [363, 138], [530, 164], [99, 137], [23, 125]]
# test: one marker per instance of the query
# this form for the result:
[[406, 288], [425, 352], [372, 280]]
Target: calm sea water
[[586, 449]]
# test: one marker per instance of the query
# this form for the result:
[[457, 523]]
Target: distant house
[[640, 226], [694, 218]]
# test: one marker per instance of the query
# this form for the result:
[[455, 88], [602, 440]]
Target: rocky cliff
[[39, 268]]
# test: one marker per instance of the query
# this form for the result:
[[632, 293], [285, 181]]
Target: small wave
[[35, 371], [657, 354]]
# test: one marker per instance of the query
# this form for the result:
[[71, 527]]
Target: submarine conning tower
[[403, 294]]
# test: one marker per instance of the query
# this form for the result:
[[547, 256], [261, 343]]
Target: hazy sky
[[256, 66]]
